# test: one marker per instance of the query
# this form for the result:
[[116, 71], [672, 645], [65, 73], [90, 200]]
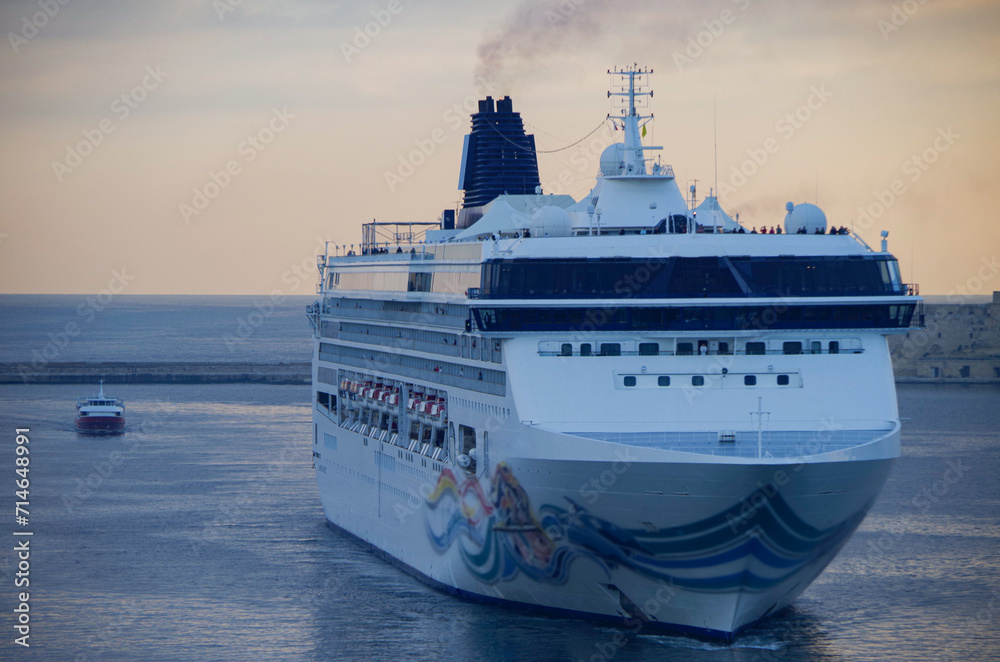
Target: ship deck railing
[[739, 352], [746, 443]]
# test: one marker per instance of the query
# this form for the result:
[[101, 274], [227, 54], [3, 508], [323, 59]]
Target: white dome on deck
[[613, 160], [806, 216], [550, 221]]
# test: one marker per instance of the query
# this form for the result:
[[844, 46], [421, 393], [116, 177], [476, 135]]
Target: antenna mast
[[629, 88]]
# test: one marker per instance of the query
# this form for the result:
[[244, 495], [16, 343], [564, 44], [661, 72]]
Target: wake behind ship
[[622, 407]]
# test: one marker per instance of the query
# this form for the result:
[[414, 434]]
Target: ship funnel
[[497, 158]]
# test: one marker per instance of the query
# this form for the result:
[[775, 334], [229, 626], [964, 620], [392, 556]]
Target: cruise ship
[[629, 407]]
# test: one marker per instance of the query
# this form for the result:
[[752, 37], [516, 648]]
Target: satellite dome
[[551, 221], [806, 216], [613, 160]]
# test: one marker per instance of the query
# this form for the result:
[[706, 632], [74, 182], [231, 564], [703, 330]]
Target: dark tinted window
[[690, 277], [663, 380], [585, 349], [697, 380], [567, 349], [611, 349], [750, 380], [782, 380], [755, 348], [792, 347], [649, 349], [685, 349], [630, 381]]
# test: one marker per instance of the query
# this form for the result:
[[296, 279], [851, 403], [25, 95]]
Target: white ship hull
[[704, 548]]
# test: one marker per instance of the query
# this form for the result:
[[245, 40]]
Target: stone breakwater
[[959, 344], [157, 373]]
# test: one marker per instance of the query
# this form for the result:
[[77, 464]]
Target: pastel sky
[[211, 146]]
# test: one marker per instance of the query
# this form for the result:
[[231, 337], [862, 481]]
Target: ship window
[[567, 349], [750, 380], [723, 348], [755, 348], [782, 380], [585, 349], [649, 349], [697, 380], [834, 347], [664, 380], [419, 282], [611, 349], [817, 347], [468, 436], [630, 381], [792, 347], [685, 349]]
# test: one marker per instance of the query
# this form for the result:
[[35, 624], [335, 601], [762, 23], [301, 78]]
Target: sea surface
[[198, 535]]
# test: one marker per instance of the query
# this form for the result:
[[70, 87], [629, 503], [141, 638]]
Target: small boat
[[101, 414]]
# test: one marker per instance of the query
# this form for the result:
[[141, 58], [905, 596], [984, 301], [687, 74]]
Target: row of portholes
[[699, 380]]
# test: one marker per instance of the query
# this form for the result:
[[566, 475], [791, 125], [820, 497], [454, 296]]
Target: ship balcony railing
[[392, 255], [472, 293], [446, 320], [404, 344]]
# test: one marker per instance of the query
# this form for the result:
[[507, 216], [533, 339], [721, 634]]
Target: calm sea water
[[198, 535]]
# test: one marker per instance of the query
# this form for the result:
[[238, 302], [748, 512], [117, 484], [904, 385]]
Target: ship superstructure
[[624, 406], [100, 414]]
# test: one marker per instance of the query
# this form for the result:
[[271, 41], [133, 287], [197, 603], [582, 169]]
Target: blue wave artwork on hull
[[499, 536]]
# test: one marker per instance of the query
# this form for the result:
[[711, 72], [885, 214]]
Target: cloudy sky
[[210, 146]]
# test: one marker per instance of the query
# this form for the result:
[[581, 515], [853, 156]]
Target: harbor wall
[[156, 373], [959, 344]]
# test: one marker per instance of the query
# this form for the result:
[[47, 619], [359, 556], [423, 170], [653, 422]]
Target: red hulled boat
[[101, 414]]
